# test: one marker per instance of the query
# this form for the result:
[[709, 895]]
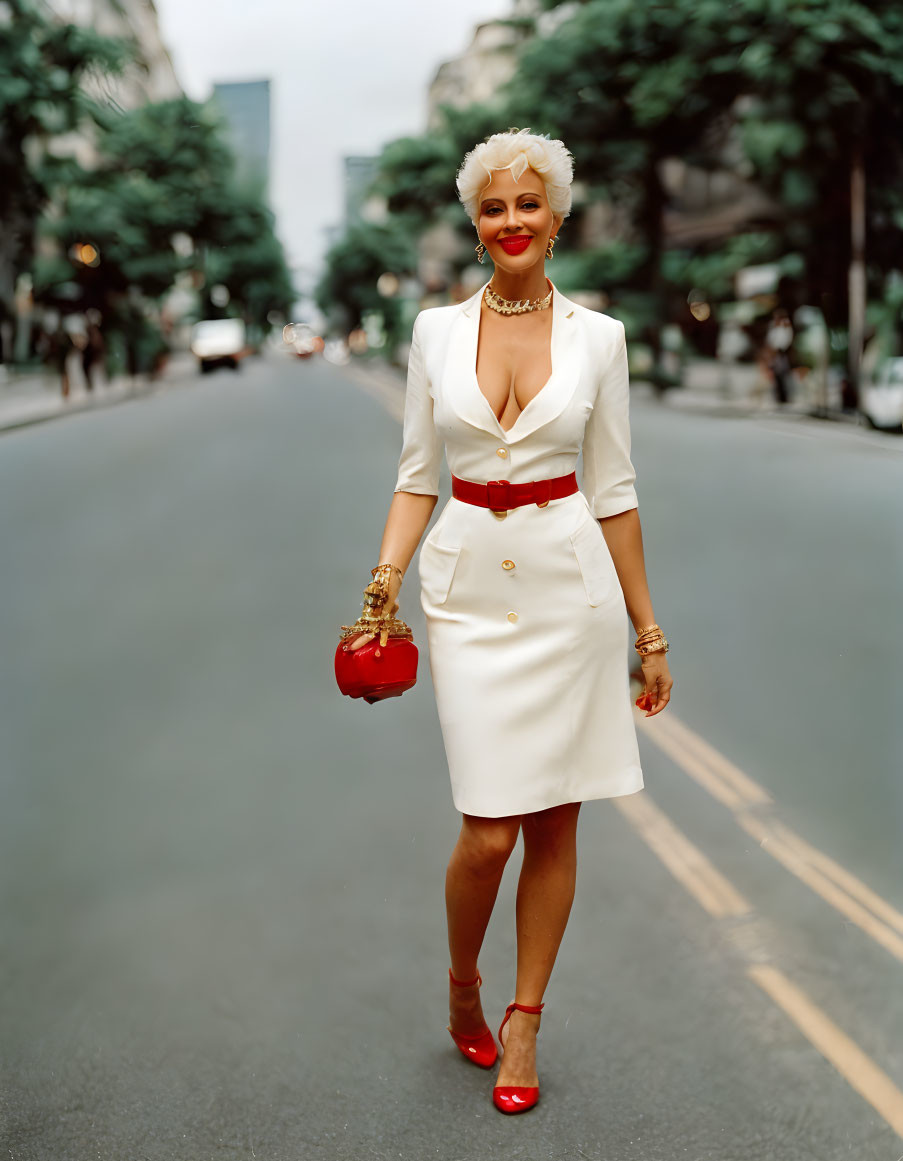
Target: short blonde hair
[[517, 149]]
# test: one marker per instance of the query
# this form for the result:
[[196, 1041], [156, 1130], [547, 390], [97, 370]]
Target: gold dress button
[[512, 616], [502, 451], [508, 564]]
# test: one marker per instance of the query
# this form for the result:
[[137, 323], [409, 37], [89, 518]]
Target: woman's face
[[519, 210]]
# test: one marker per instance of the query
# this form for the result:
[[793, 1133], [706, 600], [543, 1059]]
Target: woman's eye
[[524, 206]]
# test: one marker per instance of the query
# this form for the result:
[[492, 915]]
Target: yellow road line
[[685, 861], [730, 786], [857, 1069], [842, 877], [771, 841], [717, 895], [691, 764], [731, 775]]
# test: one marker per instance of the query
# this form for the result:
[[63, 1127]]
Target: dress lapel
[[463, 392]]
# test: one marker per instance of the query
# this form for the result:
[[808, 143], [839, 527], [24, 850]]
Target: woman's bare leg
[[545, 892], [471, 886]]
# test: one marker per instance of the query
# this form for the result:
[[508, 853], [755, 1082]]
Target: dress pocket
[[437, 568], [600, 578]]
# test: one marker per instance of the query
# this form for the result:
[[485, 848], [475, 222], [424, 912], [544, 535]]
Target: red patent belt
[[500, 495]]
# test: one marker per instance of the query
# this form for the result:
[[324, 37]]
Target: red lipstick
[[515, 245]]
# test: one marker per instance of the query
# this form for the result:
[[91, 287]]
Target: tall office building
[[359, 174], [246, 108]]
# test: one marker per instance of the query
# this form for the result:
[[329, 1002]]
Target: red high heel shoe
[[515, 1098], [479, 1049]]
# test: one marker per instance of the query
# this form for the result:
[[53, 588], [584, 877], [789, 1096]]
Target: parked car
[[882, 398], [303, 340], [218, 342]]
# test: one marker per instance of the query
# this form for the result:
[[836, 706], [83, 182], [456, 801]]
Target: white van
[[218, 342]]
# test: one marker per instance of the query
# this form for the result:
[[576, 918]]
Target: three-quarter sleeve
[[608, 473], [421, 452]]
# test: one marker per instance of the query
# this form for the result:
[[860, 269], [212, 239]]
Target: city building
[[360, 204], [491, 57], [150, 76], [246, 108]]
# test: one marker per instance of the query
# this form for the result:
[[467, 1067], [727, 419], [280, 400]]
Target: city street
[[222, 882]]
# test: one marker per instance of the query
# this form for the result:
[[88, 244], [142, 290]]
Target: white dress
[[526, 622]]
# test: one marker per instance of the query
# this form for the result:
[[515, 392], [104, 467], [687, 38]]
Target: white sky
[[345, 78]]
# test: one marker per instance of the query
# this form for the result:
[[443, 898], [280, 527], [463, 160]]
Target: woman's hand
[[389, 610], [658, 680]]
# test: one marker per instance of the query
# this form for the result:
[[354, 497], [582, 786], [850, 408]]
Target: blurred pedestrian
[[57, 347], [94, 346], [778, 342]]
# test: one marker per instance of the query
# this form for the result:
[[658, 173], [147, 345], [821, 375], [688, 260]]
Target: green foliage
[[247, 258], [414, 177], [602, 268], [713, 271], [43, 65], [165, 170], [805, 83], [353, 266], [784, 91], [417, 174]]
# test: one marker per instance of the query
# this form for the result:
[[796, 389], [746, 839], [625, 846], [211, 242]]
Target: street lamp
[[85, 253]]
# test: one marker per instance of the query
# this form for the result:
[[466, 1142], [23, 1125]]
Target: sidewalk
[[735, 389], [35, 396]]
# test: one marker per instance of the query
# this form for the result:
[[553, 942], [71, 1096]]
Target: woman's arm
[[417, 481], [409, 514], [608, 483], [624, 537]]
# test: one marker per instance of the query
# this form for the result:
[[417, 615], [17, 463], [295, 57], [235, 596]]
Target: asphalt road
[[221, 882]]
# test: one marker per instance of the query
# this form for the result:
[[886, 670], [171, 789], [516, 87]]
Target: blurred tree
[[245, 255], [823, 128], [413, 176], [816, 88], [417, 174], [627, 85], [347, 289], [165, 174], [43, 65]]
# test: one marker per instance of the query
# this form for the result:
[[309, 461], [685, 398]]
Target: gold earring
[[550, 248], [481, 250]]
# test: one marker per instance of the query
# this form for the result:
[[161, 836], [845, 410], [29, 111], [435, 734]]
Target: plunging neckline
[[476, 381]]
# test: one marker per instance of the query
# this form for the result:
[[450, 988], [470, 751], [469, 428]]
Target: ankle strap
[[515, 1007], [464, 983], [524, 1008]]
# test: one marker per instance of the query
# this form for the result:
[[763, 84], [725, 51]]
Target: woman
[[525, 580]]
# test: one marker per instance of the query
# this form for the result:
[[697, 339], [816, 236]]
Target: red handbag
[[387, 665], [376, 671]]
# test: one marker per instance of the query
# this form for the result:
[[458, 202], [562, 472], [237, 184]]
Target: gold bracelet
[[653, 645], [386, 564], [648, 629]]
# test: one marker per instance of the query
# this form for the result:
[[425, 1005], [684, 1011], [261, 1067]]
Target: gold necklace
[[515, 305]]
